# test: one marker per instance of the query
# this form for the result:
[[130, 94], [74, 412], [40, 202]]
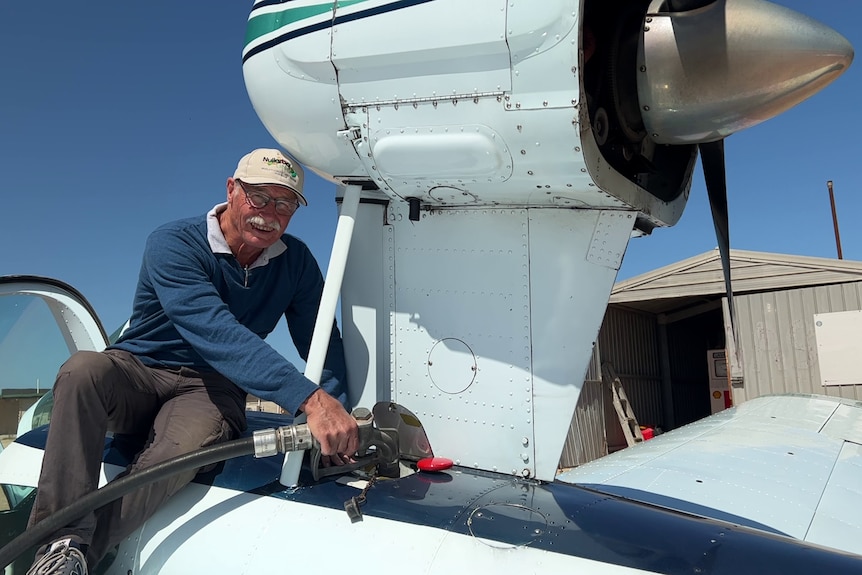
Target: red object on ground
[[647, 432], [434, 464]]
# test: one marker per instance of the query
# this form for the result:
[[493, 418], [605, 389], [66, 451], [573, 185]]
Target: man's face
[[257, 227]]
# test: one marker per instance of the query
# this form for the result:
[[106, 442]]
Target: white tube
[[325, 315]]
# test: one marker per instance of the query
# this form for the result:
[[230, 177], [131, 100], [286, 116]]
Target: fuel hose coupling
[[268, 442]]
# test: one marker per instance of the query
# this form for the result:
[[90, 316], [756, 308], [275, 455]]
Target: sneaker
[[63, 557]]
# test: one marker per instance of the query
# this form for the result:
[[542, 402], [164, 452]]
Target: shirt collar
[[219, 245]]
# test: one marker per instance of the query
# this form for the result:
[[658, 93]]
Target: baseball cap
[[268, 166]]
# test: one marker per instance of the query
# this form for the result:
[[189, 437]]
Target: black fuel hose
[[116, 489]]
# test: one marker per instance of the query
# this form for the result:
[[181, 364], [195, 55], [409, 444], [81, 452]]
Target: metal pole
[[834, 219], [325, 315]]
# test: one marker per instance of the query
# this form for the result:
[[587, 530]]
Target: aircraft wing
[[784, 464]]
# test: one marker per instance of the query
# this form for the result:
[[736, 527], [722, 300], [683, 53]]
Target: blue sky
[[117, 117]]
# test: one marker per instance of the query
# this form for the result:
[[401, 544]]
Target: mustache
[[261, 222]]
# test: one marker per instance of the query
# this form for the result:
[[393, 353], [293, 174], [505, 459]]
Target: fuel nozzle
[[268, 442], [376, 446], [365, 420]]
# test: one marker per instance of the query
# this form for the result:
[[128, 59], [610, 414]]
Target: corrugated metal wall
[[778, 344], [629, 341], [586, 438]]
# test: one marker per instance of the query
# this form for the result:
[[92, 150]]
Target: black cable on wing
[[116, 489]]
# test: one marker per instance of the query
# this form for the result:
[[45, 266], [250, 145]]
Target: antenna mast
[[834, 219]]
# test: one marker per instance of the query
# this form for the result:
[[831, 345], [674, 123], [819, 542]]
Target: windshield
[[31, 345], [42, 323]]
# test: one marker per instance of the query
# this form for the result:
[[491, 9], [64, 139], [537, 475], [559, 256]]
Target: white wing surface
[[790, 464]]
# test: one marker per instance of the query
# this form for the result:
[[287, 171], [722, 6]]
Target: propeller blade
[[712, 160]]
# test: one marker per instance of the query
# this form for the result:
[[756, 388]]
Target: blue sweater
[[195, 306]]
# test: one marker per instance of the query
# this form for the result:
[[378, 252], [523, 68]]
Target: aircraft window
[[32, 349], [16, 502], [11, 496], [119, 331]]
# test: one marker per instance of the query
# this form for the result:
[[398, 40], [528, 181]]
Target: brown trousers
[[176, 410]]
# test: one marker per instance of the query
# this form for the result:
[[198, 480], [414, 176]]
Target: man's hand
[[333, 428]]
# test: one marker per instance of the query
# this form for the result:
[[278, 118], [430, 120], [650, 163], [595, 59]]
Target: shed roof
[[750, 271], [9, 393]]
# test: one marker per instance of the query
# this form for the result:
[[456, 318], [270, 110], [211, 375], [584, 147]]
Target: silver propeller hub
[[708, 72]]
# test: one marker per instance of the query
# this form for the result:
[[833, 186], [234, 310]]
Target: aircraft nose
[[708, 72]]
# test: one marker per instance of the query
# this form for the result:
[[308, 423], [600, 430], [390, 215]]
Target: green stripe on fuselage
[[266, 23]]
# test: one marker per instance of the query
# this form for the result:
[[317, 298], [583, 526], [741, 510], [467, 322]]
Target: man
[[210, 289]]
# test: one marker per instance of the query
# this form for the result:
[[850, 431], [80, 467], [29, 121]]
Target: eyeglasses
[[259, 200]]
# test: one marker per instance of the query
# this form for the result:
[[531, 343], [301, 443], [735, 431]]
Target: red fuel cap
[[434, 464]]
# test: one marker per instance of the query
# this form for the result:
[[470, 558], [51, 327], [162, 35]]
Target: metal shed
[[659, 327]]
